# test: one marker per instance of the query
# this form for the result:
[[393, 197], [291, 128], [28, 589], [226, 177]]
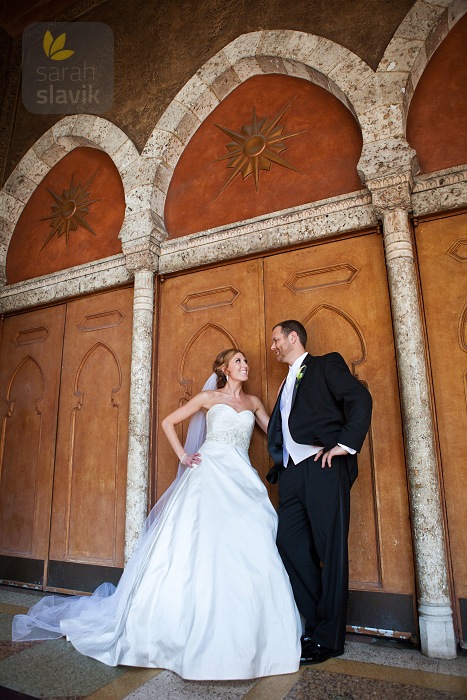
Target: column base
[[437, 631]]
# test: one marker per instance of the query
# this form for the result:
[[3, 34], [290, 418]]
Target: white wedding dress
[[205, 594]]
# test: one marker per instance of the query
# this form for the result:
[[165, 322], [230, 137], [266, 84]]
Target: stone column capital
[[387, 161], [144, 256], [391, 192]]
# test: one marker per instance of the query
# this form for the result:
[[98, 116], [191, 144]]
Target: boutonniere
[[300, 374]]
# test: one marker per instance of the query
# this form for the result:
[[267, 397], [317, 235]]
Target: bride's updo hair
[[222, 360]]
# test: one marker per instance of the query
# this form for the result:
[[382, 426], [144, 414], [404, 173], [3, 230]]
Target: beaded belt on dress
[[234, 436]]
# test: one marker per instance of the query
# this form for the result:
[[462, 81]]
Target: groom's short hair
[[292, 325]]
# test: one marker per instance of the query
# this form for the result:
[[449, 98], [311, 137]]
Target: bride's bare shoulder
[[253, 401], [252, 397], [210, 396]]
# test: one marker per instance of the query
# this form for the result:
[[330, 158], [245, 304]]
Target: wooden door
[[442, 252], [202, 313], [31, 354], [88, 510], [339, 291]]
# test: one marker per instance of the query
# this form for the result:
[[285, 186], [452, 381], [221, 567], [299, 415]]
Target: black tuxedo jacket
[[329, 406]]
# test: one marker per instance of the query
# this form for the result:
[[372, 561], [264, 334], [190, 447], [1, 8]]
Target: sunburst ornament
[[256, 147], [70, 210]]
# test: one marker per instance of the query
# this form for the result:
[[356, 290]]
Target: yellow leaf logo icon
[[53, 48]]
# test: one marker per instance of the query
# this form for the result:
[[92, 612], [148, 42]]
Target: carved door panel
[[338, 290], [442, 252], [88, 510], [31, 353], [201, 314]]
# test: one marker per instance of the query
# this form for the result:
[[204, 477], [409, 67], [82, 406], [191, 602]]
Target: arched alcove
[[73, 217], [285, 141], [436, 123]]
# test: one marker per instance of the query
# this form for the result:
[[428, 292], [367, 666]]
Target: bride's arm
[[261, 416], [178, 416]]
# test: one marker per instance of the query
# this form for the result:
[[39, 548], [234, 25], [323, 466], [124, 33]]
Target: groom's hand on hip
[[326, 457]]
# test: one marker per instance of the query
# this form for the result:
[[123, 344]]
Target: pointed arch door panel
[[202, 313], [338, 290], [64, 387], [442, 255], [31, 353], [88, 516]]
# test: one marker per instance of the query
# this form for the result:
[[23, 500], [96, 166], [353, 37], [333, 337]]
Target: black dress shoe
[[306, 641], [313, 653], [308, 646]]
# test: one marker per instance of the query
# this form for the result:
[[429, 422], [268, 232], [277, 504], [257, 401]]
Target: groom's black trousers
[[312, 540]]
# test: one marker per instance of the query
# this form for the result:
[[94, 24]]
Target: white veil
[[104, 611], [195, 437]]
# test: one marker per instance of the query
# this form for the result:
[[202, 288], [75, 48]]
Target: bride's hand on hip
[[191, 460]]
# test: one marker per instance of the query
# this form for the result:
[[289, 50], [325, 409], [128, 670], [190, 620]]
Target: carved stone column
[[391, 199], [142, 264]]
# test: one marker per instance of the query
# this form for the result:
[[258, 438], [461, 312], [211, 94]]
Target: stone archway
[[66, 135], [379, 100]]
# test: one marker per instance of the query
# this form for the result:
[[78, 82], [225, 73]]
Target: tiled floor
[[382, 669]]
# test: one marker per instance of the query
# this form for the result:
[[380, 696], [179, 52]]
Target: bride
[[205, 593]]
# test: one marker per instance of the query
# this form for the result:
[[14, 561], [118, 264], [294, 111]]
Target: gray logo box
[[68, 68]]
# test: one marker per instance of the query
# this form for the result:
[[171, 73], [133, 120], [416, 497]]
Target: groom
[[319, 422]]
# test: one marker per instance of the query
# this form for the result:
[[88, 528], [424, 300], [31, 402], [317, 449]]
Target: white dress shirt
[[295, 450]]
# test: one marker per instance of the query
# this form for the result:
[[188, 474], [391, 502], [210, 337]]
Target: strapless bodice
[[226, 425]]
